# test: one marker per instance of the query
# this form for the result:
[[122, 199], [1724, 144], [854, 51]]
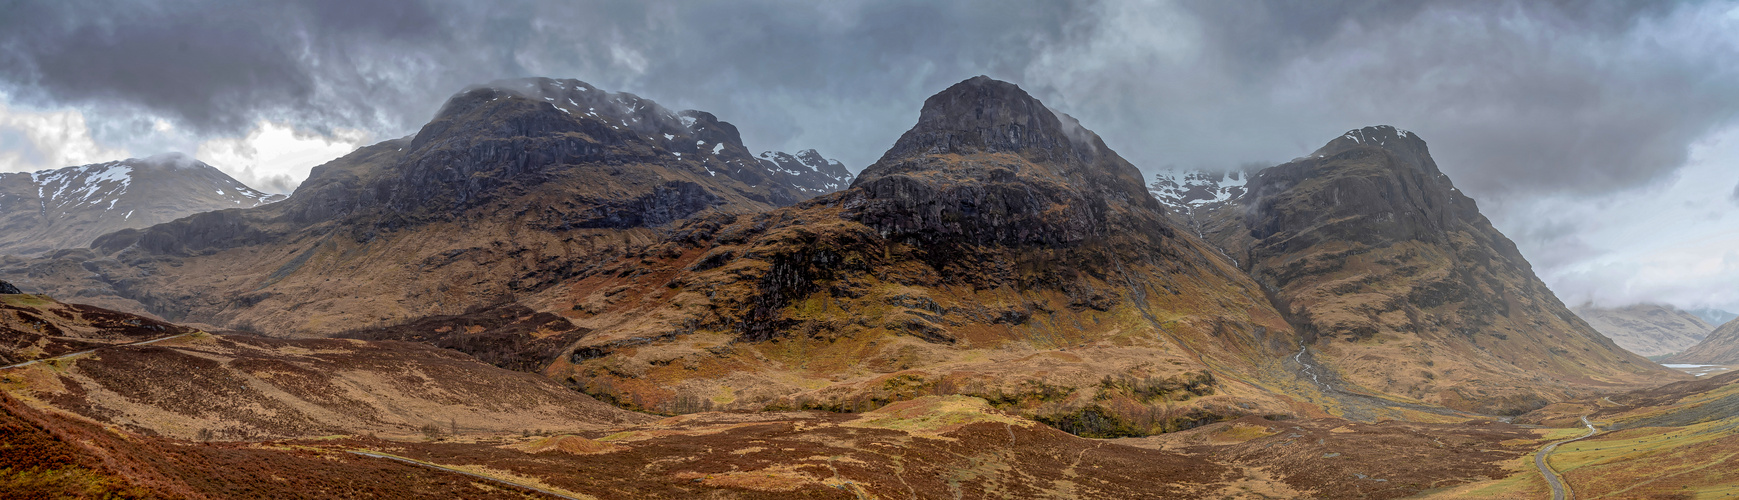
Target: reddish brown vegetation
[[510, 336]]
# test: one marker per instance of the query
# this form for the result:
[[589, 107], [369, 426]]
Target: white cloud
[[1674, 241], [49, 139], [276, 157]]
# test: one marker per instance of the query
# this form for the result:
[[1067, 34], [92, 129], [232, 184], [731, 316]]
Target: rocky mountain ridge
[[997, 249], [1400, 286], [513, 186], [809, 172], [70, 207]]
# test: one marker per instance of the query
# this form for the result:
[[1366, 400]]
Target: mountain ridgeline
[[70, 207], [1398, 283], [998, 249], [512, 187]]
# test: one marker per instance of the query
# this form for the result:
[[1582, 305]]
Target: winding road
[[1559, 490], [88, 351]]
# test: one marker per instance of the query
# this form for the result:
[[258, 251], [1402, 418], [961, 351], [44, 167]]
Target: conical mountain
[[69, 207], [511, 187], [997, 250], [1401, 287]]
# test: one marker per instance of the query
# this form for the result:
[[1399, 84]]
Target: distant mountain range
[[1714, 317], [70, 207], [1647, 329], [1720, 347]]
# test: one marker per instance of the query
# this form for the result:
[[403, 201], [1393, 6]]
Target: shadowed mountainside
[[512, 187], [1401, 287], [997, 249]]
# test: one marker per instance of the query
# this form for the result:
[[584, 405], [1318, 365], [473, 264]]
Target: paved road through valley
[[1559, 491]]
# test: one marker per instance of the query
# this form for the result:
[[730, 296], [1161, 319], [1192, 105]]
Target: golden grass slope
[[250, 388]]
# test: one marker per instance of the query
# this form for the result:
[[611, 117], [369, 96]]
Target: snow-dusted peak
[[66, 207], [808, 171], [1185, 190]]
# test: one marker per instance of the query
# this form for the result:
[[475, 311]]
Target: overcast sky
[[1600, 137]]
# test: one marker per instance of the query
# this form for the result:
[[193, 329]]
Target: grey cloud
[[1736, 193], [1520, 100], [1515, 97], [845, 77]]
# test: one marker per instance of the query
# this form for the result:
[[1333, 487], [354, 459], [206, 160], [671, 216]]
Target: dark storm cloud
[[1515, 97], [846, 77], [210, 65]]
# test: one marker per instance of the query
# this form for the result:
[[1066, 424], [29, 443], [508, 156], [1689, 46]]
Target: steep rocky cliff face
[[513, 186], [997, 249], [69, 207], [1401, 287], [1647, 329], [1721, 347]]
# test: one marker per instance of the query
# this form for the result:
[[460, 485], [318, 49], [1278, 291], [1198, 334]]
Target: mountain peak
[[983, 115], [1404, 145], [175, 159]]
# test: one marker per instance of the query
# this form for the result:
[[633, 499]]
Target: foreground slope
[[207, 416], [997, 249], [34, 327], [70, 207], [511, 187], [1401, 287], [1721, 347], [1647, 329]]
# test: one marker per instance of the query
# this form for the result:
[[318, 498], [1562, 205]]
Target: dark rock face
[[1403, 198], [1365, 241], [1036, 178], [668, 202], [981, 115], [7, 288]]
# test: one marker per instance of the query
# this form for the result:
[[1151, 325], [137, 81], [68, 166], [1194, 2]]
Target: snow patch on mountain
[[808, 171], [1185, 190]]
